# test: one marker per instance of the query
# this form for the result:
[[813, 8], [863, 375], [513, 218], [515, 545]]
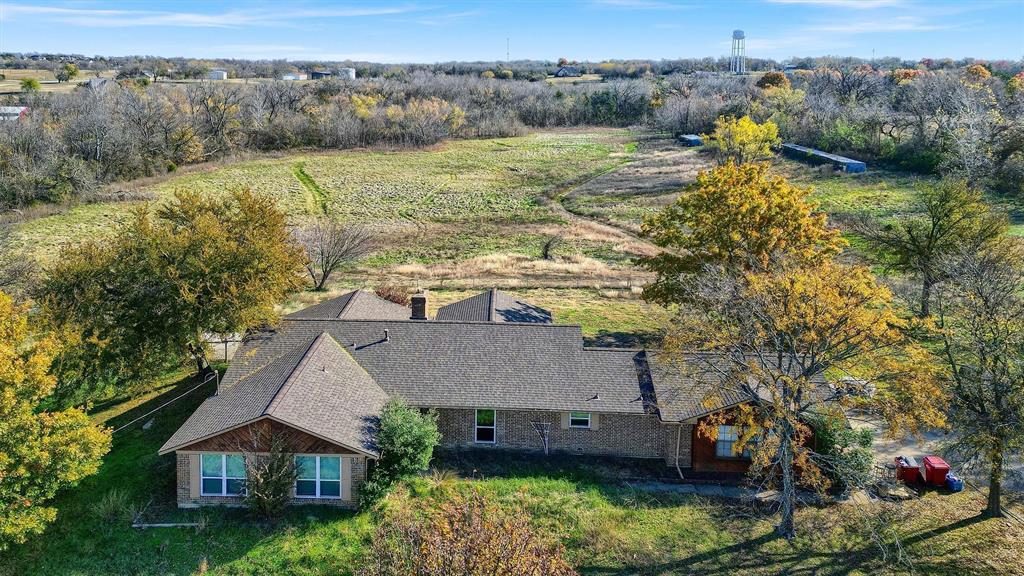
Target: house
[[13, 113], [217, 75], [317, 75], [498, 371], [293, 76], [568, 72]]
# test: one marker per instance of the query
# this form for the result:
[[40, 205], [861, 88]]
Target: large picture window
[[727, 438], [579, 419], [485, 426], [222, 474], [318, 476]]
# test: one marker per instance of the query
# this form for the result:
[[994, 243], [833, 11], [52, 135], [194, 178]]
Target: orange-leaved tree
[[738, 216], [777, 334]]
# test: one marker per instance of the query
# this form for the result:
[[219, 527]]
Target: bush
[[406, 439], [114, 507], [742, 139], [773, 80], [393, 293], [463, 536], [844, 453], [269, 478]]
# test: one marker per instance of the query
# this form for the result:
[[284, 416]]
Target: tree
[[329, 246], [742, 139], [465, 535], [737, 216], [195, 266], [952, 219], [773, 80], [775, 335], [30, 85], [270, 473], [17, 267], [406, 439], [981, 316], [67, 72], [41, 451]]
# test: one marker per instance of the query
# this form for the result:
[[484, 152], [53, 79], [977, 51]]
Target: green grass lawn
[[607, 527]]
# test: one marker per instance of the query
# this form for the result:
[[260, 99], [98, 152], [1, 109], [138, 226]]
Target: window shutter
[[346, 478], [595, 421], [565, 420], [194, 479]]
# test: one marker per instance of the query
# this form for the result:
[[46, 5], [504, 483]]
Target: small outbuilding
[[814, 156], [690, 140], [317, 75], [347, 73], [294, 76], [217, 75], [568, 72]]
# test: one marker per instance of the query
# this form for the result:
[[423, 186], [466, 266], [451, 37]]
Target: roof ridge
[[429, 322], [297, 370], [490, 303]]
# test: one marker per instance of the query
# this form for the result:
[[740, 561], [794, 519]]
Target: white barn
[[217, 75]]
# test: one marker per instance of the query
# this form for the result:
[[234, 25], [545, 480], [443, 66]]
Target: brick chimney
[[419, 306]]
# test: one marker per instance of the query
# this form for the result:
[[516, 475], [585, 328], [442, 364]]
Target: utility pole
[[507, 58]]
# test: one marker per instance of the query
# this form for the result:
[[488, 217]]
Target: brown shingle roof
[[493, 306], [355, 305]]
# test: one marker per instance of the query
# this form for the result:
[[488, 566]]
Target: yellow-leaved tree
[[41, 452], [798, 344], [737, 216], [742, 139]]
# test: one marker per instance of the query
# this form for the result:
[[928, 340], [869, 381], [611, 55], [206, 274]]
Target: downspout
[[679, 436]]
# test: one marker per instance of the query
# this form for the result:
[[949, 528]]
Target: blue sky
[[432, 31]]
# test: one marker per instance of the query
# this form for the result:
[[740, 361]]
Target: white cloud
[[891, 24], [640, 4], [105, 18], [855, 4]]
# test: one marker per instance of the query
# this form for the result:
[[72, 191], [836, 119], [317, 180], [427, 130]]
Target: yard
[[607, 527]]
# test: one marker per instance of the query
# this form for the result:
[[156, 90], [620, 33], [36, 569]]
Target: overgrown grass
[[466, 181]]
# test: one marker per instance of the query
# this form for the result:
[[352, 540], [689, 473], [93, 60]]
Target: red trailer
[[907, 469], [934, 471]]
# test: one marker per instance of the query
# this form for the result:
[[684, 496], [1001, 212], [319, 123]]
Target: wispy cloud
[[855, 4], [118, 18], [640, 4], [891, 24], [443, 19]]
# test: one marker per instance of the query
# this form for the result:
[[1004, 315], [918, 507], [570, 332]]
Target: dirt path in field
[[654, 176]]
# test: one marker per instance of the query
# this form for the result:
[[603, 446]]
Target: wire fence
[[211, 376]]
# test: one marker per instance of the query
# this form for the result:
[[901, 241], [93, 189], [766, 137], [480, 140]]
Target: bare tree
[[981, 312], [330, 245]]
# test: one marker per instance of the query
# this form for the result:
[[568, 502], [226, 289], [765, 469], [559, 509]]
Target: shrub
[[393, 293], [269, 479], [773, 80], [487, 74], [406, 439], [742, 139], [114, 507], [30, 85], [463, 536], [844, 453]]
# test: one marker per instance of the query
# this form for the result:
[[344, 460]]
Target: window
[[579, 419], [222, 474], [727, 437], [485, 426], [318, 476]]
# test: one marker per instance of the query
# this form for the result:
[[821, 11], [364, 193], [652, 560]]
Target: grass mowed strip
[[488, 180], [607, 527]]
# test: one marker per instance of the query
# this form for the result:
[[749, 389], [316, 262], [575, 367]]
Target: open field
[[12, 83], [607, 527]]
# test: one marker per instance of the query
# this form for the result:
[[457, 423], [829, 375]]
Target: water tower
[[738, 63]]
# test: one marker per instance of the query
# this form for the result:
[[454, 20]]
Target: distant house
[[316, 75], [568, 72], [294, 76], [217, 75], [96, 83], [13, 113], [347, 73], [496, 369]]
